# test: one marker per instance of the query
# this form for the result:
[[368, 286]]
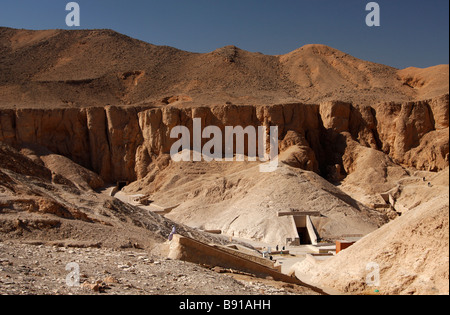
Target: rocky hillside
[[38, 203], [100, 67]]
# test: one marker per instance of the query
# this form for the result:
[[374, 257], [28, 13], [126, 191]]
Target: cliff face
[[96, 138], [416, 134], [120, 143]]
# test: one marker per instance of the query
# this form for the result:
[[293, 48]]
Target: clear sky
[[412, 32]]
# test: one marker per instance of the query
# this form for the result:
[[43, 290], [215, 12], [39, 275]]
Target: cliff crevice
[[120, 143]]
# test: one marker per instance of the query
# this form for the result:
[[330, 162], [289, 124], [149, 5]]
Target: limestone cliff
[[120, 143]]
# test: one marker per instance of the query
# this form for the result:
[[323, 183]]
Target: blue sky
[[412, 32]]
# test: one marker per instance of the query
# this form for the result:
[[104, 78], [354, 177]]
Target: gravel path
[[37, 269]]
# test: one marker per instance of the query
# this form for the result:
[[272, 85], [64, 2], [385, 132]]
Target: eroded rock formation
[[120, 143]]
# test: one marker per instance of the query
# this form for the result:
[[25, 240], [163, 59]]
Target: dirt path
[[37, 269]]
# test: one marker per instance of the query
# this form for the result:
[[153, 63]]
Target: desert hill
[[100, 67], [39, 204]]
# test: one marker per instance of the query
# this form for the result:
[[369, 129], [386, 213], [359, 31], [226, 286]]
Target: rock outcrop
[[120, 143]]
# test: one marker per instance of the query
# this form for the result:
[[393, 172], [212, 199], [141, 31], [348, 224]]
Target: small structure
[[136, 199], [323, 248], [218, 232], [343, 244], [314, 257], [160, 209], [302, 224]]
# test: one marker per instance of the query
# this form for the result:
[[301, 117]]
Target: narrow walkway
[[126, 198], [296, 253]]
